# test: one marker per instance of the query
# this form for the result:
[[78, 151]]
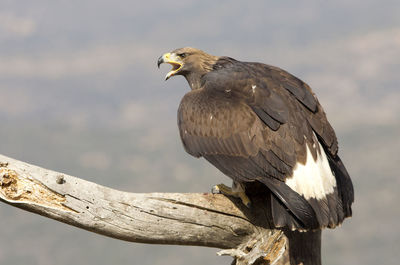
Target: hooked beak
[[173, 60]]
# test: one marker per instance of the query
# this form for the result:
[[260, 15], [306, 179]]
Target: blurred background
[[80, 93]]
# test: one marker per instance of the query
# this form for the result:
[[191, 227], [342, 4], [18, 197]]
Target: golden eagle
[[263, 127]]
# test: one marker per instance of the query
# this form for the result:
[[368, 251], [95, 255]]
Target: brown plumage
[[257, 124]]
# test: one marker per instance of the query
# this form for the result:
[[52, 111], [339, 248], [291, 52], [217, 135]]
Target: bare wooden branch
[[199, 219]]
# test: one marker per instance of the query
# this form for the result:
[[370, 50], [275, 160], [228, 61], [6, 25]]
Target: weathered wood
[[198, 219]]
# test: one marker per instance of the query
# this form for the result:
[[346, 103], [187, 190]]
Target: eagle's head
[[190, 62]]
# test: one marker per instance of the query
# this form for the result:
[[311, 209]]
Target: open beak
[[173, 60]]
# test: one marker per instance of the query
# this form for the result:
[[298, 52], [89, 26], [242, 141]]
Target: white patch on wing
[[253, 87], [314, 179]]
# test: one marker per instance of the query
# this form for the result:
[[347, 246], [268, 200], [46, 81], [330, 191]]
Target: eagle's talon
[[227, 191], [223, 189], [245, 200], [215, 190]]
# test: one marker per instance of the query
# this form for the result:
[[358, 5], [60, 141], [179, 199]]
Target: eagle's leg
[[237, 190]]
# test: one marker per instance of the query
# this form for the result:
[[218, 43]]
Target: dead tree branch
[[198, 219]]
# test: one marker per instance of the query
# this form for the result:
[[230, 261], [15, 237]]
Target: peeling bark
[[198, 219]]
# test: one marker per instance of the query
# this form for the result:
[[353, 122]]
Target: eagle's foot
[[227, 191]]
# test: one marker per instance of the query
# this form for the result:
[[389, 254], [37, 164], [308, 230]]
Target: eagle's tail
[[343, 183], [288, 208], [291, 210]]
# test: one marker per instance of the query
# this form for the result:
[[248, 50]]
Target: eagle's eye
[[182, 55]]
